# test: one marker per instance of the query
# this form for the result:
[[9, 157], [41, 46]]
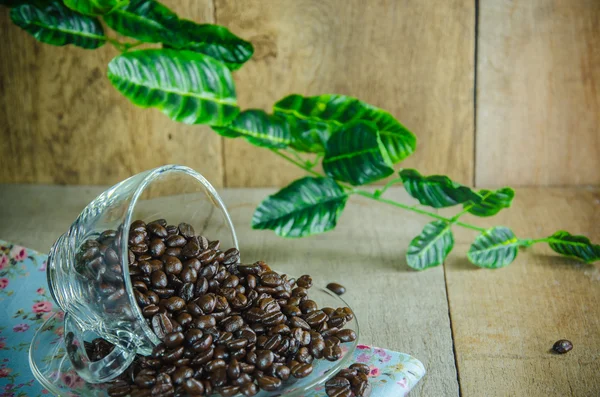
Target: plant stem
[[376, 197], [387, 186], [417, 210]]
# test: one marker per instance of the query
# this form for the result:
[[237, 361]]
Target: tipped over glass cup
[[90, 280]]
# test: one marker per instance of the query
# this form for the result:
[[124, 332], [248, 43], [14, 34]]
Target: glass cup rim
[[149, 178]]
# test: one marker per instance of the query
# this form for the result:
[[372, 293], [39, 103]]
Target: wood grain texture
[[538, 92], [505, 321], [396, 308], [62, 122], [411, 58]]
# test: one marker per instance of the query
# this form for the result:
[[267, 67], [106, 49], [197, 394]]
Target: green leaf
[[491, 202], [495, 248], [215, 41], [321, 116], [95, 7], [307, 206], [578, 247], [356, 155], [259, 128], [188, 87], [431, 247], [436, 191], [57, 25], [146, 20]]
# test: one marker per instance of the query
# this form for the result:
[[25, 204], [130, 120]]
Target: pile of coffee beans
[[225, 327], [350, 382]]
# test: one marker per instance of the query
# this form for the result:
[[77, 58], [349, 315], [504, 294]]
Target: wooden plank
[[397, 308], [412, 58], [61, 121], [538, 94], [505, 321]]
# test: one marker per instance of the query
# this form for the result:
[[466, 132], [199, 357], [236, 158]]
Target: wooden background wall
[[497, 91]]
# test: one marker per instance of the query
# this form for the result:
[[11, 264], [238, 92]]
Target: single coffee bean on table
[[336, 288], [562, 346], [225, 327]]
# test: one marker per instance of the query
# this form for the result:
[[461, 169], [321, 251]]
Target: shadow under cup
[[89, 266]]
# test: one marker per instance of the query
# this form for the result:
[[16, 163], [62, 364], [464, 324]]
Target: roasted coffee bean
[[315, 318], [193, 387], [218, 378], [157, 228], [264, 359], [228, 391], [162, 390], [159, 350], [280, 329], [297, 322], [145, 381], [302, 336], [303, 356], [302, 370], [161, 325], [272, 342], [141, 299], [304, 281], [253, 269], [181, 374], [337, 382], [336, 288], [175, 251], [186, 230], [207, 256], [172, 230], [175, 241], [201, 286], [232, 324], [208, 271], [183, 362], [221, 352], [346, 335], [174, 304], [273, 318], [203, 357], [159, 279], [291, 311], [111, 257], [332, 353], [236, 344], [191, 250], [249, 389], [562, 346], [186, 292], [269, 383], [174, 339], [150, 311], [193, 335], [173, 355], [332, 341], [336, 320], [300, 292], [232, 256], [308, 306], [172, 265], [193, 263], [157, 248], [139, 249], [204, 322], [203, 243], [360, 367]]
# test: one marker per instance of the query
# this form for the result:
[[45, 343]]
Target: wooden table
[[478, 332]]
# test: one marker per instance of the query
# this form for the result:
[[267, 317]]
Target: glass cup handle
[[104, 370]]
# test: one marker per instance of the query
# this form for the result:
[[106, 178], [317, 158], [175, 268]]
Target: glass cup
[[89, 266]]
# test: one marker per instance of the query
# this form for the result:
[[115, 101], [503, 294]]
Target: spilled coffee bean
[[225, 327], [336, 288]]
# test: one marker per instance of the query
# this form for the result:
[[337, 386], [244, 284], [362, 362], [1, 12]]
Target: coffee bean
[[304, 281], [186, 292], [203, 356], [145, 381], [297, 322], [181, 374], [191, 249], [232, 255], [193, 387], [303, 356], [186, 230], [228, 391], [188, 274], [346, 335], [162, 390], [336, 288], [269, 383], [337, 382], [332, 353], [218, 378], [207, 256], [175, 241], [159, 279], [157, 248], [232, 324], [174, 339], [273, 318], [315, 318], [173, 355], [161, 325], [172, 265], [264, 359], [562, 346], [292, 311], [204, 322], [308, 306], [302, 370], [249, 389], [174, 304]]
